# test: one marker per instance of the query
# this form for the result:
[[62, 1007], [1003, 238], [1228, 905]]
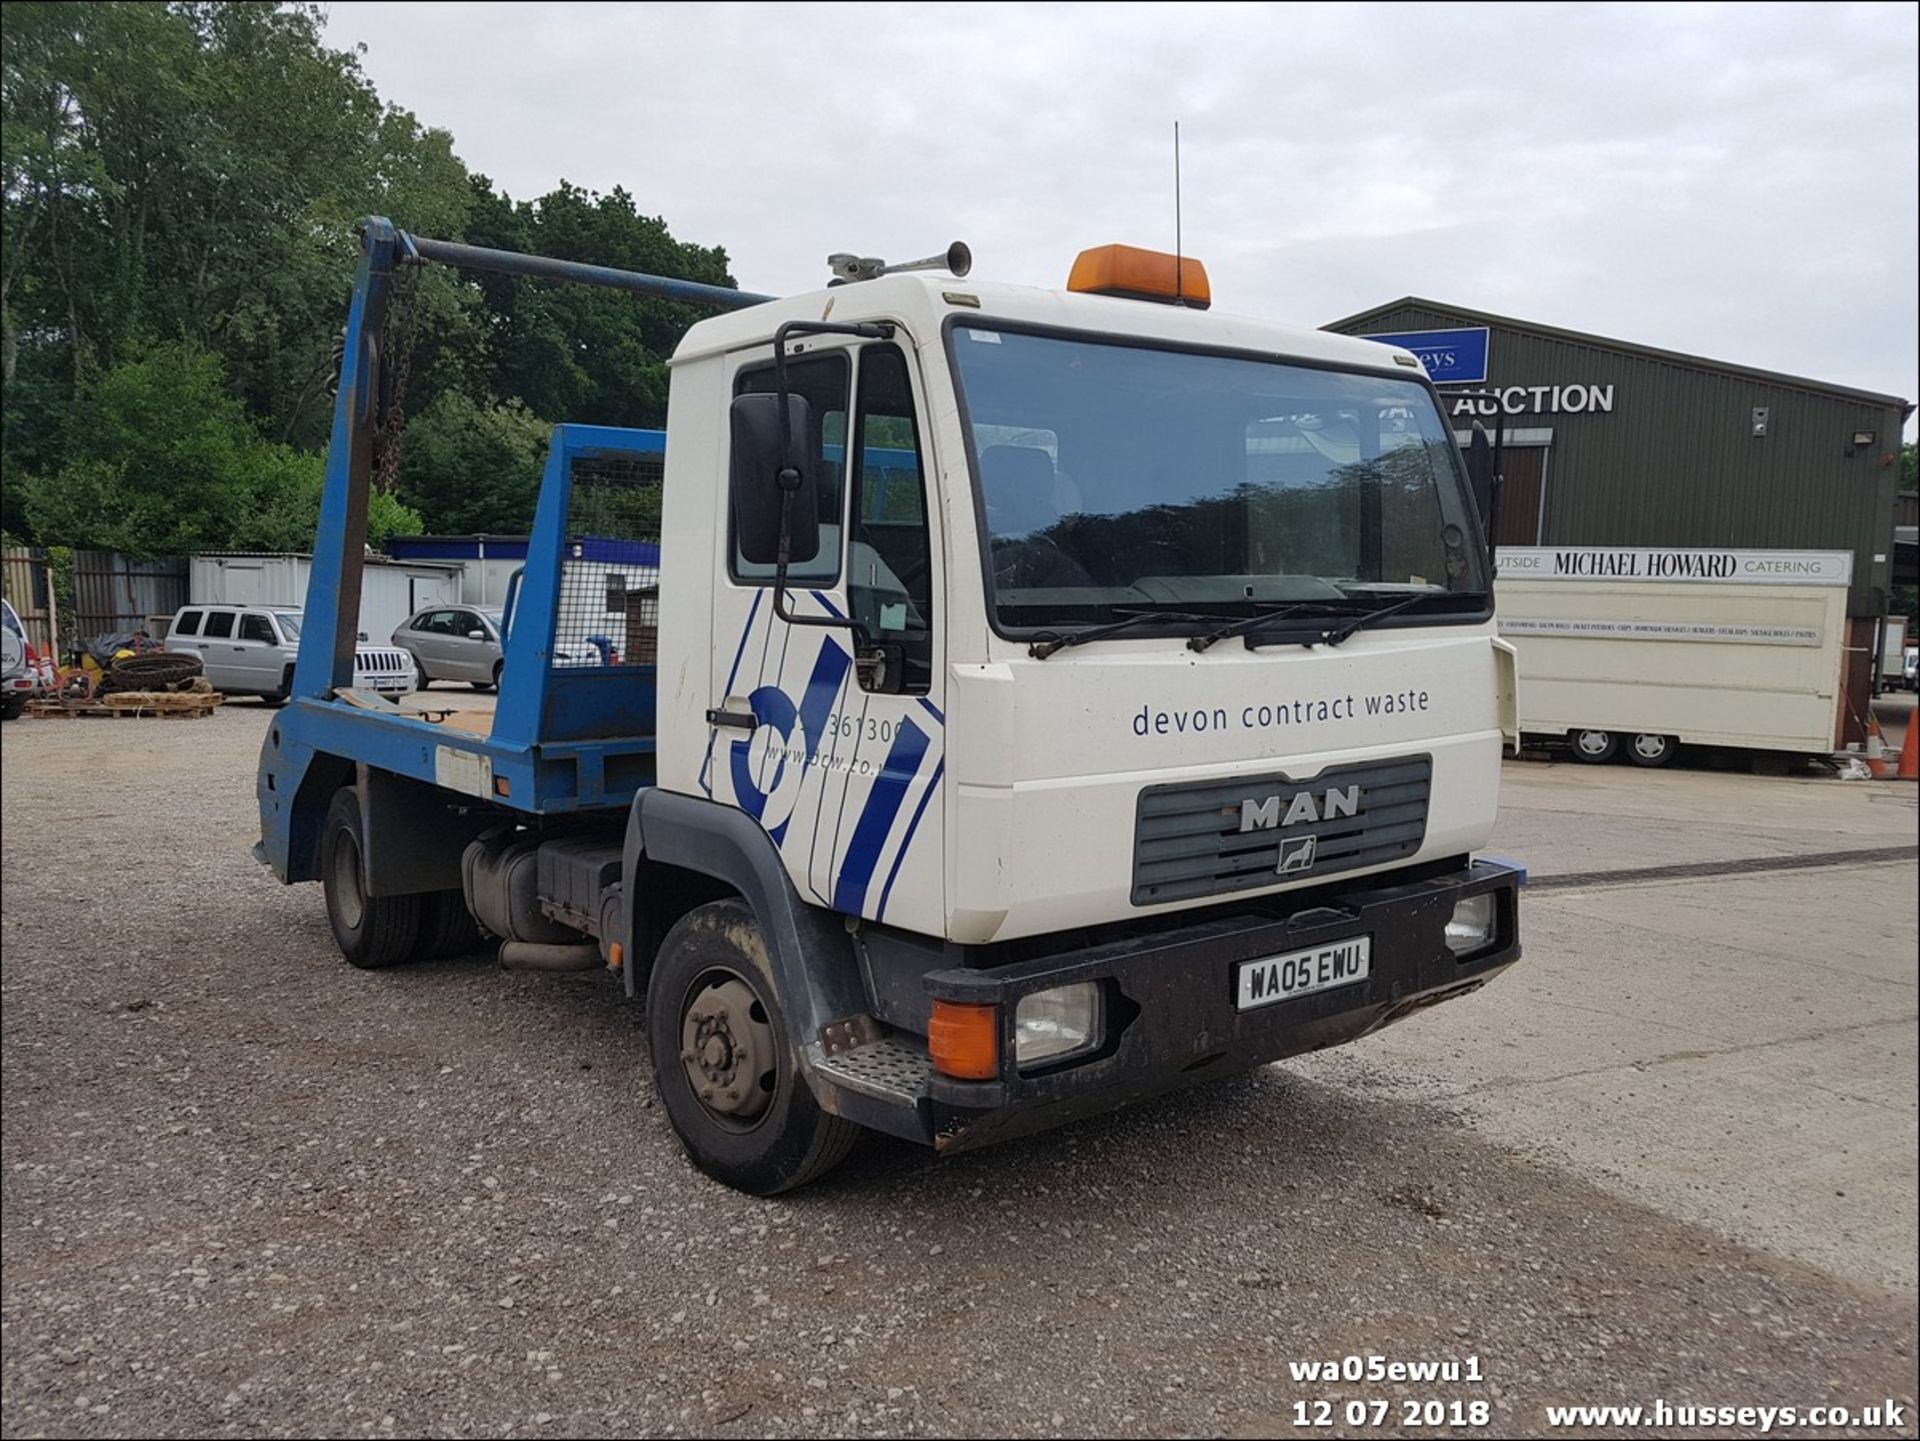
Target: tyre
[[421, 680], [498, 666], [373, 932], [284, 694], [724, 1069], [1594, 747], [447, 927], [481, 684], [1652, 750], [12, 706]]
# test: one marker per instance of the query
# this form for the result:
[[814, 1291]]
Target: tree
[[182, 180], [192, 172], [163, 460], [473, 468], [578, 352]]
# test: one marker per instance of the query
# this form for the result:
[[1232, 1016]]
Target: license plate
[[1301, 973]]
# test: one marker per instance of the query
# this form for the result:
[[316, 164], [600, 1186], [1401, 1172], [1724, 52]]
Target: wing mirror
[[774, 478], [1481, 475]]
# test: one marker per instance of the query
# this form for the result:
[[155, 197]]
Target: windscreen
[[1120, 477], [289, 622]]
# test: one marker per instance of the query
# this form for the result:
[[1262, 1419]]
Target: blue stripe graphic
[[913, 825], [876, 818], [773, 707], [706, 766]]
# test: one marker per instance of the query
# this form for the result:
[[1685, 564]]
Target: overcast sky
[[1738, 182]]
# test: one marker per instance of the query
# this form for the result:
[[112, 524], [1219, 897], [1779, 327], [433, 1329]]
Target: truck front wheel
[[722, 1062], [373, 932]]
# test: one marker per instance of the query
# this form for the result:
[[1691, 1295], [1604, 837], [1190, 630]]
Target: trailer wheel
[[722, 1063], [1652, 750], [1595, 747], [373, 932]]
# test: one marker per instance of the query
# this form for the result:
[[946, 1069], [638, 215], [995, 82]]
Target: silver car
[[463, 642], [250, 650], [453, 642]]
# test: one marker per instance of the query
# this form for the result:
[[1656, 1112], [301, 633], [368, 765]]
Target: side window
[[188, 624], [823, 380], [465, 623], [219, 624], [889, 551], [254, 626]]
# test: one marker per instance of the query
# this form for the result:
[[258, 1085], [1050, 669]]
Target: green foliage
[[1909, 466], [574, 352], [181, 183], [475, 469], [163, 460]]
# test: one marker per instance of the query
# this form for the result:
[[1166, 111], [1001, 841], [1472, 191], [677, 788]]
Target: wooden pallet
[[185, 705]]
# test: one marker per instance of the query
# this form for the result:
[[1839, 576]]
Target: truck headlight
[[1471, 927], [1051, 1025]]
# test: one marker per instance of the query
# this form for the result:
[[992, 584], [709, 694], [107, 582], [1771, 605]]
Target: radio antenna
[[1179, 265]]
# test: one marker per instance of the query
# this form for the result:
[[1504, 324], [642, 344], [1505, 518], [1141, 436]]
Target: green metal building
[[1615, 444], [1611, 443]]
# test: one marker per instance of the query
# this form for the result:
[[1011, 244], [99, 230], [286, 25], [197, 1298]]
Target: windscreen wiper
[[1247, 623], [1047, 642], [1334, 635]]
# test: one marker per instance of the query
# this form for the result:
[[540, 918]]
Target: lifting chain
[[403, 316]]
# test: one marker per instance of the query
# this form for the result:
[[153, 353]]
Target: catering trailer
[[1638, 651]]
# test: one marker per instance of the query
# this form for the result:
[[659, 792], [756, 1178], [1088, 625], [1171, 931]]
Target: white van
[[250, 650]]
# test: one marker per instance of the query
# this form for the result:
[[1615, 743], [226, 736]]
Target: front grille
[[380, 662], [1189, 841]]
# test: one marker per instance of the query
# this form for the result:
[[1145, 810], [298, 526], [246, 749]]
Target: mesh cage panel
[[610, 573]]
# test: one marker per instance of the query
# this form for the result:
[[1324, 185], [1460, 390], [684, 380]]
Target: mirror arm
[[789, 477]]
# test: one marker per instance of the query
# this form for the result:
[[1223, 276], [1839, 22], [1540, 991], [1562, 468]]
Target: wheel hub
[[727, 1049]]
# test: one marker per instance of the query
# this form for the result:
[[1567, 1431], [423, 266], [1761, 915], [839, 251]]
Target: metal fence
[[29, 590], [610, 571], [117, 592], [110, 592]]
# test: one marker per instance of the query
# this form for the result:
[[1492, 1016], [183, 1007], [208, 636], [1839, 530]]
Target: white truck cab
[[1056, 697]]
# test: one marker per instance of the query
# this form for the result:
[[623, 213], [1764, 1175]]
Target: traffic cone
[[1876, 750], [1910, 751]]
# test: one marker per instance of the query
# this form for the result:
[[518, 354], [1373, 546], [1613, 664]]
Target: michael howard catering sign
[[1452, 357]]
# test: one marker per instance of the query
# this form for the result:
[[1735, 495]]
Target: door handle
[[739, 720]]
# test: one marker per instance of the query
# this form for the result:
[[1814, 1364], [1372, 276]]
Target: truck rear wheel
[[722, 1063], [1595, 747], [373, 932], [447, 927]]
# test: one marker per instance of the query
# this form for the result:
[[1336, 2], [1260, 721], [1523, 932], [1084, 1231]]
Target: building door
[[1523, 498]]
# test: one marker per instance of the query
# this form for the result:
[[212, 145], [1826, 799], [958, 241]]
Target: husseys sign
[[1659, 564]]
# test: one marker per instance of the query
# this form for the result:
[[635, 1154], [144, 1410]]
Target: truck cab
[[1059, 697]]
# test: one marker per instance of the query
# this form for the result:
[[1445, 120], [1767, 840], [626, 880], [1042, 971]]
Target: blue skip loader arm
[[563, 738]]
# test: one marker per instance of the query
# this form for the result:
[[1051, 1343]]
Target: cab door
[[844, 763]]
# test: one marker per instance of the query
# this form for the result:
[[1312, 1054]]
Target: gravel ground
[[248, 1190]]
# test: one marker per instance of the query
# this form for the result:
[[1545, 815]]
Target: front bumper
[[1170, 1006]]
